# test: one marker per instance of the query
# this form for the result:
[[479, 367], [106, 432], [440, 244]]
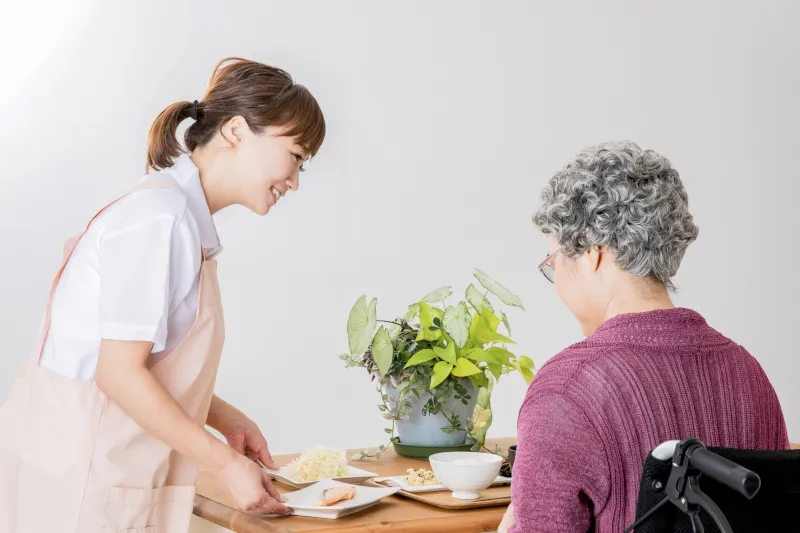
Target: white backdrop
[[445, 119]]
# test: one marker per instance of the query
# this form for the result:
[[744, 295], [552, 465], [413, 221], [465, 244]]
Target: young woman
[[104, 427]]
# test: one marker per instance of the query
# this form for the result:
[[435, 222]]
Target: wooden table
[[394, 514]]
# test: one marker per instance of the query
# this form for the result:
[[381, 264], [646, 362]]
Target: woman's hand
[[508, 520], [248, 440], [123, 375], [251, 488], [241, 433]]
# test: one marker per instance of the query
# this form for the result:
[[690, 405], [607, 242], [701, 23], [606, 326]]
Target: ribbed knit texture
[[594, 412]]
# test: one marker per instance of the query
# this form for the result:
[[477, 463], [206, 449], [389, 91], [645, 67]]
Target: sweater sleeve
[[771, 412], [561, 476]]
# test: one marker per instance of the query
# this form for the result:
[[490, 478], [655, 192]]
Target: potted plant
[[435, 367]]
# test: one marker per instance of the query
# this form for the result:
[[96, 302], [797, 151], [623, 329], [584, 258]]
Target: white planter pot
[[420, 430]]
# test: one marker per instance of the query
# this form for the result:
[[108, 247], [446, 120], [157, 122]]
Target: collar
[[187, 175], [667, 327]]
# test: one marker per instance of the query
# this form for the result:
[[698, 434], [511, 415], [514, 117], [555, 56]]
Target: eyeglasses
[[546, 267]]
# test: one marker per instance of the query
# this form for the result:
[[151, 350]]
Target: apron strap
[[72, 243]]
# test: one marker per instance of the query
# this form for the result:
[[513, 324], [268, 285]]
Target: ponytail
[[263, 95], [162, 142]]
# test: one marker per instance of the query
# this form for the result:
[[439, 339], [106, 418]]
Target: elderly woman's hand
[[508, 520]]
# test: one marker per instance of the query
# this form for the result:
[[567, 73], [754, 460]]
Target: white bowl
[[466, 473]]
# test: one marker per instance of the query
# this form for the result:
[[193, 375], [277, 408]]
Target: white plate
[[303, 502], [354, 476], [400, 481]]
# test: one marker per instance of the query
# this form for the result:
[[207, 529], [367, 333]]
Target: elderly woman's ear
[[596, 255]]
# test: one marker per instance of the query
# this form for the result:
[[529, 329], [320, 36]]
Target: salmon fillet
[[336, 495]]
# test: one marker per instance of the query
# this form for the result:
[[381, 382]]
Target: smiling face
[[253, 130], [266, 166]]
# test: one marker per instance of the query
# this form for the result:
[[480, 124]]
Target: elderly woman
[[618, 225]]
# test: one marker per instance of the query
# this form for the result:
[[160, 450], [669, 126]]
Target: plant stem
[[490, 451], [444, 414], [390, 322]]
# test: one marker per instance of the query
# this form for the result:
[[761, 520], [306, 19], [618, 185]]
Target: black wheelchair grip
[[738, 478]]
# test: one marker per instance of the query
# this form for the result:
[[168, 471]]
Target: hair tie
[[193, 116]]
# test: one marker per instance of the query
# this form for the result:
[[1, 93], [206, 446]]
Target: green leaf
[[504, 318], [506, 296], [491, 320], [422, 356], [448, 353], [428, 313], [440, 372], [527, 374], [413, 311], [478, 300], [496, 370], [479, 380], [361, 325], [464, 367], [481, 417], [428, 333], [476, 354], [501, 354], [382, 350], [474, 325], [525, 361], [492, 382], [456, 323], [484, 329], [497, 337], [484, 398], [394, 331], [438, 295]]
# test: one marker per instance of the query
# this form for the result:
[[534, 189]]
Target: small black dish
[[505, 469]]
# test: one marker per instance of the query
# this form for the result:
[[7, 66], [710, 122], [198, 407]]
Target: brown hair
[[261, 94]]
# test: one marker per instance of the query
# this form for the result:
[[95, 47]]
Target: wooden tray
[[491, 497]]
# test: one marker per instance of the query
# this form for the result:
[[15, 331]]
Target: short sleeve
[[137, 252], [560, 470]]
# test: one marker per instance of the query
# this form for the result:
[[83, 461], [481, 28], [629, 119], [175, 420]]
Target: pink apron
[[71, 461]]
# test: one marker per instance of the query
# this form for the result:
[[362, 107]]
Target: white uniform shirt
[[134, 275]]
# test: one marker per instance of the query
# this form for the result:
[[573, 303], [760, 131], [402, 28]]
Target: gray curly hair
[[631, 200]]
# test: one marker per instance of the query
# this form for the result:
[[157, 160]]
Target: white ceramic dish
[[466, 473], [354, 476], [303, 502], [400, 481]]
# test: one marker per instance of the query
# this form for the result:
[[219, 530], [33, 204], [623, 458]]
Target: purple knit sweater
[[595, 411]]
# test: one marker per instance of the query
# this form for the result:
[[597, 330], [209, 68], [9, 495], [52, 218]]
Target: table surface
[[394, 514]]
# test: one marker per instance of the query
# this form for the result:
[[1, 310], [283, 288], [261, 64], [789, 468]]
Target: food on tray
[[421, 478], [336, 495], [319, 463]]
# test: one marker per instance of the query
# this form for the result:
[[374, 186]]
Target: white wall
[[445, 120]]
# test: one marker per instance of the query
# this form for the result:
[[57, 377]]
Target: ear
[[233, 131], [594, 255]]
